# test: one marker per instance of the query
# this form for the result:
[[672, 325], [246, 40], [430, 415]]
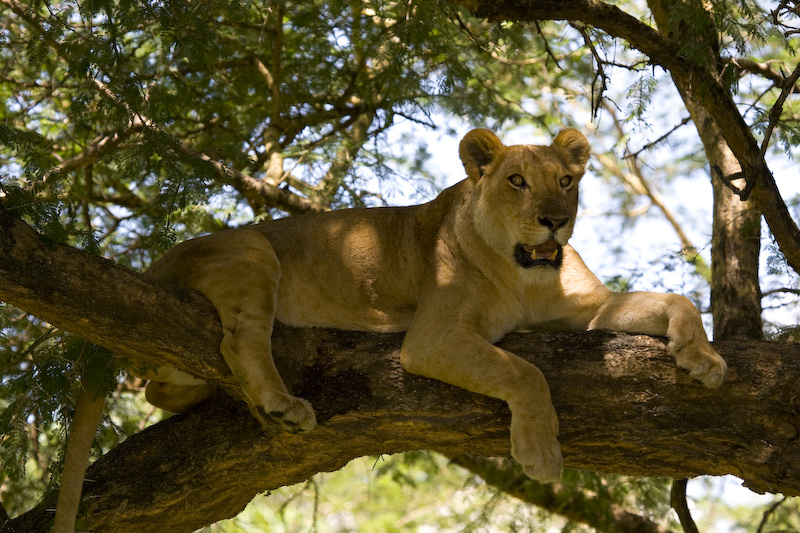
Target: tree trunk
[[623, 406], [735, 250], [736, 239]]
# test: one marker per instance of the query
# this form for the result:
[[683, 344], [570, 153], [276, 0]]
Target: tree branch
[[677, 501], [764, 70], [259, 191], [623, 406], [575, 505], [637, 182], [101, 145], [775, 113]]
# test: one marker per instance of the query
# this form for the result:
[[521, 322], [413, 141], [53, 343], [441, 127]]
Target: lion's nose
[[554, 223]]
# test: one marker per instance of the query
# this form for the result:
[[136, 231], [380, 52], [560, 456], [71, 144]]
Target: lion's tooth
[[554, 255]]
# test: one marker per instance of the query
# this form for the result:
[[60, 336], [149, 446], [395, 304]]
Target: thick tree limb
[[623, 407], [73, 290]]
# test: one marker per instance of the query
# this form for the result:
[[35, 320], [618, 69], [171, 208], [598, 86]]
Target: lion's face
[[525, 197]]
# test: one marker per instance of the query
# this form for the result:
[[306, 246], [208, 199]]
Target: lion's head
[[525, 197]]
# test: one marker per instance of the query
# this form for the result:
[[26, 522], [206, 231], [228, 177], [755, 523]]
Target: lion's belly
[[356, 270], [343, 302], [342, 314]]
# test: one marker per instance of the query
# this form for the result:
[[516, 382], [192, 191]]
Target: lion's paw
[[295, 415], [534, 444], [702, 363], [547, 464]]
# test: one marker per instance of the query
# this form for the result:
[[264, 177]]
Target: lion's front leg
[[468, 361], [666, 314]]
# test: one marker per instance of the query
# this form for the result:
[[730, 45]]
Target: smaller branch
[[599, 82], [761, 69], [504, 60], [255, 189], [775, 112], [550, 54], [677, 500], [790, 9], [782, 289], [575, 505], [97, 148], [88, 413], [769, 512], [345, 158], [636, 180]]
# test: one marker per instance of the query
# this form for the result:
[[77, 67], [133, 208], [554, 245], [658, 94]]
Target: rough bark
[[735, 251], [701, 82], [622, 405]]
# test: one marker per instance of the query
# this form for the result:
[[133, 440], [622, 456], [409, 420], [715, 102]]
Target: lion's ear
[[573, 145], [478, 148]]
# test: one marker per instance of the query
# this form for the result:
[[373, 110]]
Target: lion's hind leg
[[173, 390], [239, 273]]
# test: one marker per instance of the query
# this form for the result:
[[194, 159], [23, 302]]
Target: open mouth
[[548, 253]]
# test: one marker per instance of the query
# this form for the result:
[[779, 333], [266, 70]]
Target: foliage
[[42, 370], [420, 491]]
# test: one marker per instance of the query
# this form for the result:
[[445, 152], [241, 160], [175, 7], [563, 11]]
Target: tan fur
[[446, 272]]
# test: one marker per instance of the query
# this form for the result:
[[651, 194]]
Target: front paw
[[295, 415], [534, 444], [701, 362]]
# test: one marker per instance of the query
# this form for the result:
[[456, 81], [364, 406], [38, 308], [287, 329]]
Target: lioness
[[488, 256]]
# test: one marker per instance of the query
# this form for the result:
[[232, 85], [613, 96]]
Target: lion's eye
[[517, 180], [565, 181]]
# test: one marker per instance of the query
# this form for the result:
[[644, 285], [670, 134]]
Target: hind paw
[[294, 415]]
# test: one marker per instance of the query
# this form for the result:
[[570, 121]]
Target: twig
[[775, 113], [782, 289], [761, 69], [97, 148], [550, 54], [658, 141], [599, 82]]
